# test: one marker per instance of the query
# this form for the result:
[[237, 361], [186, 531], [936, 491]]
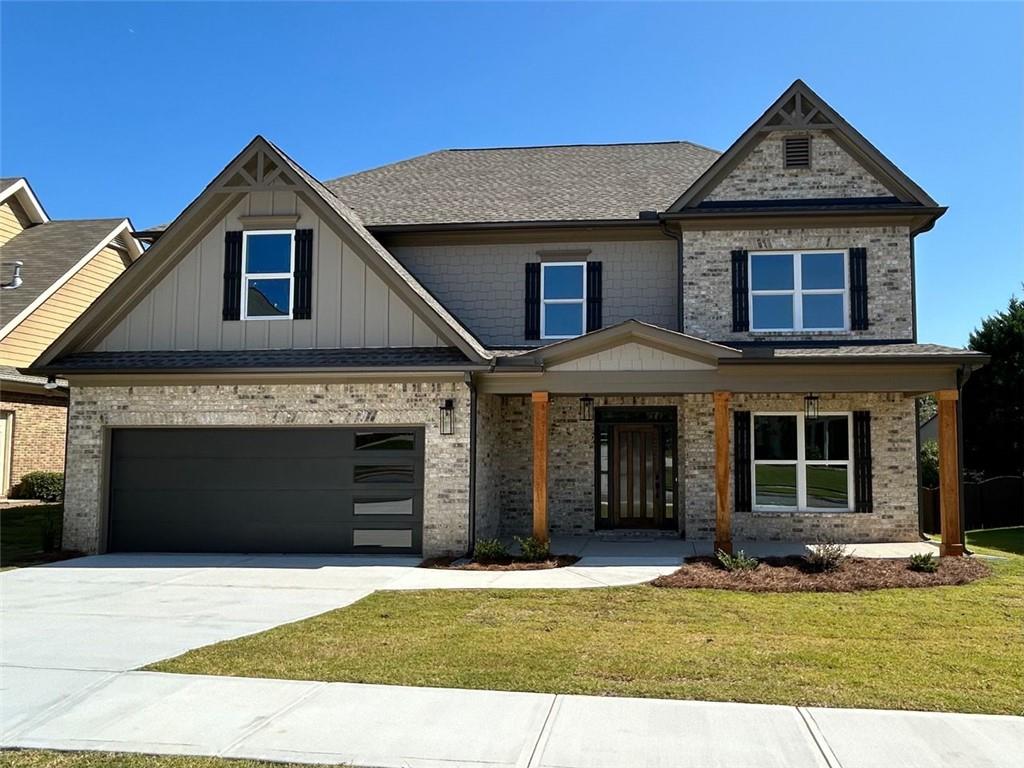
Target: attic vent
[[796, 152]]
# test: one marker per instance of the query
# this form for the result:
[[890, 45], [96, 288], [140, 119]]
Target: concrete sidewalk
[[375, 725]]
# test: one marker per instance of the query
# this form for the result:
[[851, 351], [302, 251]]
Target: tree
[[993, 398]]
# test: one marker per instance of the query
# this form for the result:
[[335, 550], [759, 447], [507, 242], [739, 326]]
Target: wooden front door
[[638, 463]]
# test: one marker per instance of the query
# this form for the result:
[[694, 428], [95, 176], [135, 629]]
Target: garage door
[[316, 490]]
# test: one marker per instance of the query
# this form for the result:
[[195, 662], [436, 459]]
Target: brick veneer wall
[[571, 478], [707, 278], [833, 173], [446, 476], [39, 427]]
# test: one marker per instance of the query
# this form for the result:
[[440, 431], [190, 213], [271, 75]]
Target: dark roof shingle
[[48, 251], [558, 183]]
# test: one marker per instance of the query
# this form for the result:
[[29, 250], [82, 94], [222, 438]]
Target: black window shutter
[[741, 464], [593, 296], [303, 309], [232, 275], [858, 289], [862, 461], [740, 300], [533, 300]]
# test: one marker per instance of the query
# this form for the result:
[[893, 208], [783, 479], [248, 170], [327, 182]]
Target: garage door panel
[[240, 490]]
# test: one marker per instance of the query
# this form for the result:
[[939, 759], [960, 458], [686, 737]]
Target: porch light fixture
[[51, 382], [586, 408], [810, 406], [446, 422]]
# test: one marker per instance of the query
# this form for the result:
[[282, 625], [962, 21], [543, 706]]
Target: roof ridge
[[575, 145]]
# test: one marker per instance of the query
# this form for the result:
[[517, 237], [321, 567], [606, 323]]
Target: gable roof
[[52, 253], [260, 165], [587, 182], [800, 108], [18, 186]]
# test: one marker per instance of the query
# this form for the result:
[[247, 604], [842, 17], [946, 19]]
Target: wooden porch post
[[949, 475], [540, 466], [723, 512]]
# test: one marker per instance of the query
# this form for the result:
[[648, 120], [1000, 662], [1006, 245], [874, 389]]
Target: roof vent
[[796, 152]]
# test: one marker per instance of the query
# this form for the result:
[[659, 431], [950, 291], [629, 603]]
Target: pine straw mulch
[[503, 564], [791, 574]]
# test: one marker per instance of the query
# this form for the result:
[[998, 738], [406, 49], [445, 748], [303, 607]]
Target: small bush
[[925, 563], [45, 486], [533, 550], [930, 464], [489, 550], [738, 562], [825, 557]]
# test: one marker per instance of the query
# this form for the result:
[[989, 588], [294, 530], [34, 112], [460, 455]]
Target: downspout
[[920, 490], [471, 523], [913, 287], [678, 237]]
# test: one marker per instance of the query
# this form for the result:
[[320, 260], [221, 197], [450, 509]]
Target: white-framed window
[[268, 266], [802, 463], [799, 291], [563, 292]]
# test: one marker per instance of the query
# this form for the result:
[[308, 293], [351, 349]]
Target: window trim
[[801, 463], [246, 275], [798, 292], [545, 301]]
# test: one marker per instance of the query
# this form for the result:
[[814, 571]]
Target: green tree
[[993, 398]]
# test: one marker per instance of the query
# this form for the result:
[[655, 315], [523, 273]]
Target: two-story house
[[558, 339]]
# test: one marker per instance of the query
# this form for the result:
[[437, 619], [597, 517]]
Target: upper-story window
[[799, 291], [268, 265], [563, 290]]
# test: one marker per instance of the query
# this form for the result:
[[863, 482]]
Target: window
[[268, 261], [802, 463], [382, 473], [385, 441], [563, 290], [802, 291]]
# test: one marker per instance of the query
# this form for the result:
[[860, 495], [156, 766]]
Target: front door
[[639, 469]]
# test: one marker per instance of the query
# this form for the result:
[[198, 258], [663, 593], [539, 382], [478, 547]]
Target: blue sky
[[131, 108]]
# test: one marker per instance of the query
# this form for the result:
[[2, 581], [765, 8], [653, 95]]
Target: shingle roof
[[8, 181], [875, 350], [48, 251], [559, 183], [376, 357]]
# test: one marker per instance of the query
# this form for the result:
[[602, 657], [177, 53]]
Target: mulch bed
[[504, 564], [791, 574]]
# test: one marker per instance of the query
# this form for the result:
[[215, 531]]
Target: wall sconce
[[51, 382], [586, 408], [446, 422], [810, 406]]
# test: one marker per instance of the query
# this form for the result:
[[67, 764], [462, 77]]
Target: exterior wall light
[[51, 382], [586, 408], [446, 422], [810, 406]]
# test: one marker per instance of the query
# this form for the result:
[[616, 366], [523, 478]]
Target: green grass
[[22, 533], [36, 758], [994, 541], [945, 648]]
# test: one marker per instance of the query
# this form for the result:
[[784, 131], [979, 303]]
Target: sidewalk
[[376, 725]]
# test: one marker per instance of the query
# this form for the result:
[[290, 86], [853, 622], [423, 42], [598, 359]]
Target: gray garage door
[[316, 490]]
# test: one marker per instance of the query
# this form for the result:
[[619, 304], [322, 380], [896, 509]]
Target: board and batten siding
[[35, 333], [352, 305], [13, 220]]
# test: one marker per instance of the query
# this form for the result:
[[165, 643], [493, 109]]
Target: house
[[476, 343], [52, 270]]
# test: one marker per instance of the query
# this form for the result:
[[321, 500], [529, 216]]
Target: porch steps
[[635, 535]]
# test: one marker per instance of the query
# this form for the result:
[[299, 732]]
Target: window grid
[[247, 275], [801, 463], [544, 301], [798, 291]]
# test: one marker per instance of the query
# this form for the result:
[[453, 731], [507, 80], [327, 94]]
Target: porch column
[[723, 512], [949, 475], [540, 465]]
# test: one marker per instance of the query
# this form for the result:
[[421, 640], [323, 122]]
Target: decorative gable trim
[[800, 109]]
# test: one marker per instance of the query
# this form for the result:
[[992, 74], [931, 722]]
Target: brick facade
[[446, 477], [38, 428]]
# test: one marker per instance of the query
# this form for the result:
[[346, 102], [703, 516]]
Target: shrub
[[925, 563], [738, 562], [930, 464], [489, 550], [533, 549], [45, 486], [826, 556]]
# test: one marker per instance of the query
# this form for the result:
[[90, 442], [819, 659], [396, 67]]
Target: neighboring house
[[929, 430], [51, 271], [476, 343]]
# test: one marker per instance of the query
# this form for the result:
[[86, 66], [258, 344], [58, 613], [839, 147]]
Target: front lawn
[[945, 648], [24, 532], [39, 758]]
